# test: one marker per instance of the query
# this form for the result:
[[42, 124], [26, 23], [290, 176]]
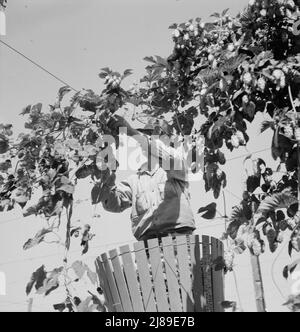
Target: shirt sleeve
[[173, 161], [118, 198]]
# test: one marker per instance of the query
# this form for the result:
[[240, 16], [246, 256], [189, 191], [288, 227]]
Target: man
[[158, 194]]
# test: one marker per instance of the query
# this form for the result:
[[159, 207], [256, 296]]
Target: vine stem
[[296, 127], [78, 167], [177, 121], [230, 103], [298, 148], [291, 99], [225, 213], [67, 248], [227, 242], [256, 268]]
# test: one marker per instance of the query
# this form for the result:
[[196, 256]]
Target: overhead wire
[[37, 65], [247, 154]]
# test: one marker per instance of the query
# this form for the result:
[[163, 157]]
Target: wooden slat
[[112, 284], [145, 278], [120, 281], [207, 271], [197, 273], [217, 278], [104, 285], [158, 276], [171, 272], [131, 278], [184, 274], [203, 292]]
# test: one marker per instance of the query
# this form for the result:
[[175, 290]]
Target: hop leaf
[[37, 279], [127, 73], [62, 92], [51, 283], [219, 263], [3, 3], [80, 269], [210, 211], [233, 229], [38, 238], [229, 305], [295, 240], [290, 268], [4, 145], [26, 110], [277, 201]]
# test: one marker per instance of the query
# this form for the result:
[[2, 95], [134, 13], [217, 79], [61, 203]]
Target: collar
[[144, 169]]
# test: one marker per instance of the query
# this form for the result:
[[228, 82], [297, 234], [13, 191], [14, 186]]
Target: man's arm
[[173, 161], [116, 198]]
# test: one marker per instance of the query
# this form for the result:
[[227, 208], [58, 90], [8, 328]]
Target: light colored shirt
[[159, 198]]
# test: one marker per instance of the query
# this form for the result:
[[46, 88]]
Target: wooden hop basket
[[167, 275]]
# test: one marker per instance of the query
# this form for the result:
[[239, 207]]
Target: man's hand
[[116, 122]]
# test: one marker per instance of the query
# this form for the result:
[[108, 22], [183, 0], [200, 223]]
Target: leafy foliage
[[269, 212], [39, 237], [293, 303], [290, 268], [43, 281], [280, 200], [3, 3], [224, 72], [229, 305], [210, 211], [37, 279]]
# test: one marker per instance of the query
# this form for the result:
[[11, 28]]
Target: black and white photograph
[[149, 159]]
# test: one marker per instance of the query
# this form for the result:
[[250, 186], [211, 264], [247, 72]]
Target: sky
[[74, 39]]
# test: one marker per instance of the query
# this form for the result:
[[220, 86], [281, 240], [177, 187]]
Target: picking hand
[[116, 122]]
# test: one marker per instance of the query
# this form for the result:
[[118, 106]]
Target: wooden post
[[257, 277], [258, 284], [298, 175], [29, 304]]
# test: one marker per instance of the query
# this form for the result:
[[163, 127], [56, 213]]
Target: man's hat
[[148, 129], [156, 127]]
